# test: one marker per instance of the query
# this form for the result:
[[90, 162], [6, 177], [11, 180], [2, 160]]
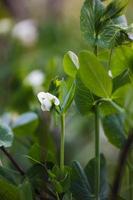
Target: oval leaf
[[114, 130], [94, 76]]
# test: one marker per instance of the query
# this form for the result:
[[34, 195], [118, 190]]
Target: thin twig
[[13, 161]]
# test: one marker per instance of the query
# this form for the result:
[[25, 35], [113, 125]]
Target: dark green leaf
[[94, 76], [83, 181], [8, 191], [80, 187], [90, 172], [6, 136], [10, 175], [83, 97], [113, 126]]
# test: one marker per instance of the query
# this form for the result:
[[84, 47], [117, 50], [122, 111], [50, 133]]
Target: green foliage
[[125, 55], [94, 76], [83, 180], [25, 124], [98, 23], [114, 129], [67, 91], [25, 191], [71, 64], [84, 99], [6, 135], [8, 191]]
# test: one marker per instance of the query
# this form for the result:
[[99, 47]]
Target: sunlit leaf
[[94, 75]]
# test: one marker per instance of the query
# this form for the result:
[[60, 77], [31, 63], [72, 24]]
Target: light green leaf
[[125, 55], [70, 63], [113, 126], [67, 91], [120, 94], [25, 124], [94, 76], [6, 136]]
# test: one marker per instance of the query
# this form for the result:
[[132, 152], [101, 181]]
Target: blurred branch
[[120, 170], [9, 156]]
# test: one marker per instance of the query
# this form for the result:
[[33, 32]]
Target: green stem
[[62, 144], [130, 178], [97, 153]]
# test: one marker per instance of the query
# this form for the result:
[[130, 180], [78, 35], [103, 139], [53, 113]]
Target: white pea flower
[[26, 32], [47, 100], [35, 78]]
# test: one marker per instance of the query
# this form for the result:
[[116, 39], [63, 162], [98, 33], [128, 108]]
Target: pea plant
[[98, 81]]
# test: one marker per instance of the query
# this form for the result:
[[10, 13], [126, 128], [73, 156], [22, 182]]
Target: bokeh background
[[34, 36]]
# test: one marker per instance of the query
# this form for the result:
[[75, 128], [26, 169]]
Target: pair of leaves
[[83, 180]]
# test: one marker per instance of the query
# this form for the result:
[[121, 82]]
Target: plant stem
[[130, 178], [62, 144], [97, 153], [9, 156]]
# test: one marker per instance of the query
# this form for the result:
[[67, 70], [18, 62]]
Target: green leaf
[[70, 63], [121, 80], [83, 97], [8, 191], [120, 94], [6, 136], [83, 180], [113, 126], [80, 187], [90, 172], [99, 23], [10, 175], [91, 14], [125, 55], [67, 91], [94, 76], [25, 191], [115, 8], [25, 124]]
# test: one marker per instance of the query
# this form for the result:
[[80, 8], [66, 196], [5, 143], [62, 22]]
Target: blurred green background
[[34, 36]]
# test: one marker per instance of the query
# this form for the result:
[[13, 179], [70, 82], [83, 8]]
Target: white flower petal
[[41, 96], [46, 99]]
